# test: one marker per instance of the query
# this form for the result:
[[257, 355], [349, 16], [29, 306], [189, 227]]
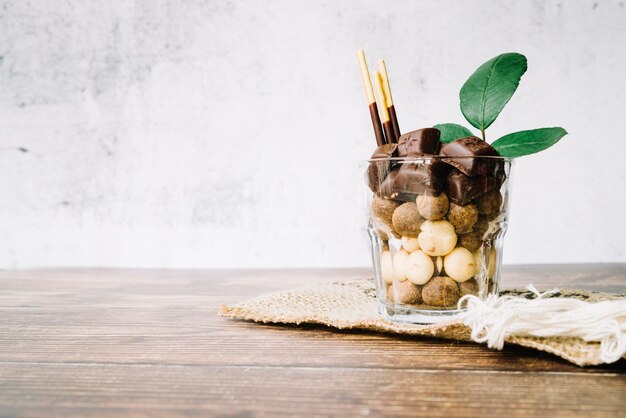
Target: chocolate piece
[[499, 173], [422, 141], [385, 151], [462, 189], [438, 167], [377, 171], [470, 146], [405, 182]]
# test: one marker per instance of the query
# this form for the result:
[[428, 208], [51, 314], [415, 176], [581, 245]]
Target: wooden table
[[149, 343]]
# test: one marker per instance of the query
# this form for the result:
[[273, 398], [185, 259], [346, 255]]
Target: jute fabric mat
[[351, 304]]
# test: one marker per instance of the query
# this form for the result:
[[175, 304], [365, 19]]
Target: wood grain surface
[[141, 343]]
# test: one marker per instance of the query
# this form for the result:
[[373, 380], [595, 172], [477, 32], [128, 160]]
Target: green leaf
[[523, 143], [452, 131], [489, 89]]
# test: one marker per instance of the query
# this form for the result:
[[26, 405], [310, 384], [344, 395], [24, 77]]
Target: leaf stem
[[482, 131]]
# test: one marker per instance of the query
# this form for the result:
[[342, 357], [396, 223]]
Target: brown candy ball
[[471, 241], [404, 292], [407, 220], [486, 227], [462, 217], [432, 207], [441, 291], [469, 287], [489, 203], [383, 209], [482, 225]]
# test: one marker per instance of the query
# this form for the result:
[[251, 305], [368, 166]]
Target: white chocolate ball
[[399, 259], [386, 267], [478, 261], [437, 237], [419, 267], [460, 264], [490, 264], [439, 264], [410, 244]]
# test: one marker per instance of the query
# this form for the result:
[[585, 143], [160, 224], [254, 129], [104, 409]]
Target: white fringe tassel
[[495, 318]]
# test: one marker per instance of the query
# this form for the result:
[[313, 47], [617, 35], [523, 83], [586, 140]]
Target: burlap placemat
[[352, 304]]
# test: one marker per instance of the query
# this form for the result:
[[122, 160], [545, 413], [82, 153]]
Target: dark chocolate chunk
[[499, 173], [437, 166], [422, 141], [470, 146], [377, 171], [385, 151], [462, 189], [405, 182]]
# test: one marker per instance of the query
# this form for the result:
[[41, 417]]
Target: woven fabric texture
[[352, 304]]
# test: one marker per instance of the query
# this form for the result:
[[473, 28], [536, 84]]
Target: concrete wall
[[228, 133]]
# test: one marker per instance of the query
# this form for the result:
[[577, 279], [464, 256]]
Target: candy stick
[[382, 68], [382, 108], [371, 100]]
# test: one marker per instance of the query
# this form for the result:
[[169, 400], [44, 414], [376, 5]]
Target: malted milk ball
[[462, 217], [407, 220], [432, 207], [399, 258], [383, 235], [410, 244], [437, 237], [441, 291], [489, 202], [460, 264], [383, 209], [482, 225], [487, 226], [469, 287], [386, 266], [471, 241], [419, 267], [405, 292]]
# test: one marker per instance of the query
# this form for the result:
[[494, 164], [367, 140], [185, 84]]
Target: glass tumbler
[[436, 226]]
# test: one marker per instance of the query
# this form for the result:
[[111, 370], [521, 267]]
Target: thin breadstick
[[382, 68], [380, 97], [382, 109], [371, 99], [365, 77]]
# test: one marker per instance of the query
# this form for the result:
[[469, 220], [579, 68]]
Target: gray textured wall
[[227, 133]]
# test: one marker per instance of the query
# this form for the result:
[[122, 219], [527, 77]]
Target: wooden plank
[[79, 389], [140, 342], [170, 317], [122, 337]]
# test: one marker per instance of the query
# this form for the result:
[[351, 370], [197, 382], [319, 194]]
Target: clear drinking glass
[[436, 233]]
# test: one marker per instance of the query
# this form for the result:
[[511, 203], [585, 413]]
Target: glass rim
[[444, 158]]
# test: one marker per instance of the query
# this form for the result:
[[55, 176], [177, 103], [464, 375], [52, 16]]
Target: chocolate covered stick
[[382, 69], [371, 100], [382, 108]]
